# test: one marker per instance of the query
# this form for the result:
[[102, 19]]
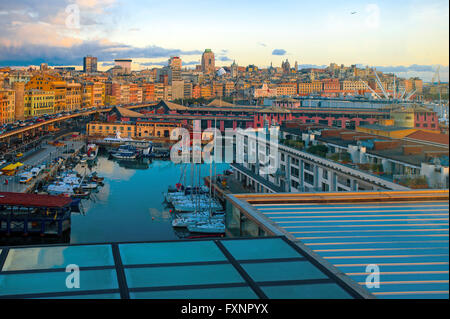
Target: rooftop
[[404, 233], [33, 200], [385, 128], [423, 136], [270, 267]]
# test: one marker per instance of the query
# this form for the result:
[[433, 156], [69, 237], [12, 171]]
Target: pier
[[25, 214]]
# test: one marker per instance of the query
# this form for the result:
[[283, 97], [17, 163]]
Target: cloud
[[411, 68], [165, 63], [191, 63], [223, 58], [278, 52], [34, 54], [108, 63], [311, 66]]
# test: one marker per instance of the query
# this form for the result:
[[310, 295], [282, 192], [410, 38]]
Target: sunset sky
[[407, 37]]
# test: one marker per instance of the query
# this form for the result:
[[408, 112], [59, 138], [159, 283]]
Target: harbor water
[[130, 206]]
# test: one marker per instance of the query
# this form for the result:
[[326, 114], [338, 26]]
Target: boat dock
[[23, 214]]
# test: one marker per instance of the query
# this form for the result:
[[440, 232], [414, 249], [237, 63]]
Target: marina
[[131, 205]]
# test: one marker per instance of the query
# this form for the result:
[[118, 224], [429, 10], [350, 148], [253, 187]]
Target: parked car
[[25, 177], [35, 171]]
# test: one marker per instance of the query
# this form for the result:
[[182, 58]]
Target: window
[[309, 178], [308, 166]]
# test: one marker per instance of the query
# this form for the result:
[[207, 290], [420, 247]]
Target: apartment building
[[73, 96], [287, 89], [38, 102], [7, 103], [310, 87]]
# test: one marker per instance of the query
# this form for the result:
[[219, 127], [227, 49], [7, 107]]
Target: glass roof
[[408, 241], [269, 267]]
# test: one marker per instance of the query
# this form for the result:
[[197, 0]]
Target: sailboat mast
[[215, 153]]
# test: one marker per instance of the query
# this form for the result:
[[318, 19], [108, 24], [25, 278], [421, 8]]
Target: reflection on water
[[130, 206]]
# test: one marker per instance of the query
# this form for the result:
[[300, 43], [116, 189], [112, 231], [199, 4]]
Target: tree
[[319, 150]]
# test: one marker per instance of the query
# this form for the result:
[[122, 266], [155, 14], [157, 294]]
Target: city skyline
[[408, 36]]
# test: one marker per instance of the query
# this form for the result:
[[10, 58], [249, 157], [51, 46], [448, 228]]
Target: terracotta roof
[[34, 200], [173, 106], [429, 137], [218, 102], [128, 113]]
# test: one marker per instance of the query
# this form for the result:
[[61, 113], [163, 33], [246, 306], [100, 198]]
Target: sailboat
[[210, 225]]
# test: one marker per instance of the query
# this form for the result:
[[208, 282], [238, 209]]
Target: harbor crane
[[433, 81]]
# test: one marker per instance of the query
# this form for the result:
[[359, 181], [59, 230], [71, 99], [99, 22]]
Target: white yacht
[[92, 151], [208, 227]]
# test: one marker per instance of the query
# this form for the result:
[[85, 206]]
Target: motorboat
[[194, 204], [125, 152], [92, 151], [89, 185], [208, 227], [60, 188], [193, 219], [118, 140]]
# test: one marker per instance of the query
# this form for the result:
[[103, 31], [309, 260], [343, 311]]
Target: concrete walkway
[[44, 155]]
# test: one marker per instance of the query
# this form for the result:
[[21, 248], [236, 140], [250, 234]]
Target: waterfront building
[[93, 94], [415, 116], [316, 158], [139, 129], [38, 102], [7, 106], [73, 96], [59, 88]]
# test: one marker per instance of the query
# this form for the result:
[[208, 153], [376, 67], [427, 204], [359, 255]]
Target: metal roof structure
[[270, 267], [405, 234]]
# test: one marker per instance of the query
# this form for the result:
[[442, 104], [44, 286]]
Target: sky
[[409, 38]]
